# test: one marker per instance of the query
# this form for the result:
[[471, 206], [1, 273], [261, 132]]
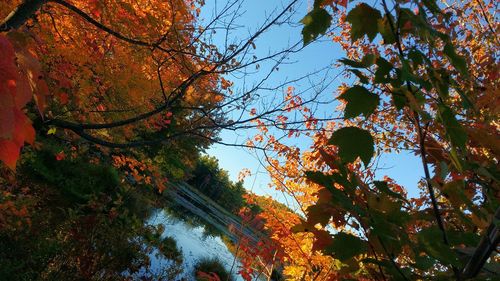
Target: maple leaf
[[353, 142], [15, 126], [345, 246], [364, 20], [30, 66], [315, 23], [9, 153], [359, 101]]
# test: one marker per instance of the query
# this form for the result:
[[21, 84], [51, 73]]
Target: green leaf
[[406, 71], [430, 240], [382, 74], [352, 63], [359, 101], [455, 160], [454, 130], [387, 230], [454, 192], [353, 142], [345, 246], [389, 268], [384, 28], [399, 98], [432, 6], [440, 80], [382, 186], [364, 20], [444, 169], [417, 57], [362, 78], [418, 25], [316, 22], [466, 102], [469, 239], [456, 60], [367, 61], [424, 262], [338, 197]]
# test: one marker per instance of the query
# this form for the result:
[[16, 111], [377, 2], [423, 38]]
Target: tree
[[122, 75], [423, 71], [97, 82], [214, 182], [87, 76]]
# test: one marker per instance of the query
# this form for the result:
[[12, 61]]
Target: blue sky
[[404, 167]]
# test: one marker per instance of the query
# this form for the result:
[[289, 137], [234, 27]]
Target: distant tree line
[[214, 182]]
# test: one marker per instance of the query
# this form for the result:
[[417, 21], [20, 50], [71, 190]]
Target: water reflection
[[195, 245]]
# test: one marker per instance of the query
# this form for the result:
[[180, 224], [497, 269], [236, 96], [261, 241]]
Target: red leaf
[[60, 156], [23, 131], [7, 118], [30, 66], [323, 239], [9, 153], [8, 70], [23, 92], [101, 107], [63, 98]]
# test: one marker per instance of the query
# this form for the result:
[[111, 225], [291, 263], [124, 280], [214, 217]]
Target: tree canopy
[[104, 102]]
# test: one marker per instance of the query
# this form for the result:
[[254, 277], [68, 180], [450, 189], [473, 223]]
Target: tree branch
[[421, 138], [107, 29], [21, 14]]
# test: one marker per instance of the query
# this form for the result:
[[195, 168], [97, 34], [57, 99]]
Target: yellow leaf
[[52, 131]]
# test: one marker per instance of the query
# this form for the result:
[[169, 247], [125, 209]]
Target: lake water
[[194, 246]]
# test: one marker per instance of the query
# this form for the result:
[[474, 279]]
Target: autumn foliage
[[421, 72], [116, 95], [18, 84]]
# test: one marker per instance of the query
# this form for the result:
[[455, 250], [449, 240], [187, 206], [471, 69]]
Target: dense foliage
[[425, 80], [117, 97], [71, 210], [72, 218], [208, 269]]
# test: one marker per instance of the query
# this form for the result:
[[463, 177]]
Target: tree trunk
[[21, 14]]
